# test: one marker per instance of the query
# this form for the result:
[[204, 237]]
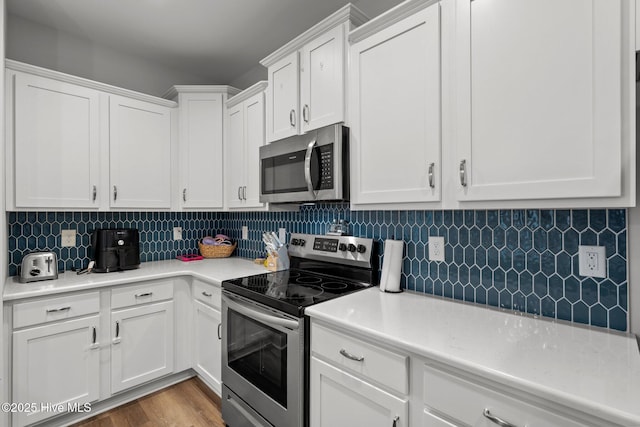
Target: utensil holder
[[279, 260]]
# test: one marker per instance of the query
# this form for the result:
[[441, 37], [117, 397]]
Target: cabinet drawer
[[465, 401], [52, 309], [386, 367], [207, 293], [141, 294]]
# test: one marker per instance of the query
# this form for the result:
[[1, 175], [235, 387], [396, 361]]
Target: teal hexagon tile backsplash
[[522, 260]]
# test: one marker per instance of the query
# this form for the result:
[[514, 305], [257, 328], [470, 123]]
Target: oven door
[[262, 361]]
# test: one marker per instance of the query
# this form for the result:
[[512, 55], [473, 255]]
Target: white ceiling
[[220, 39]]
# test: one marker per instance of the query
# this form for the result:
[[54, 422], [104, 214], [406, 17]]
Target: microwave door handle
[[307, 167], [260, 316]]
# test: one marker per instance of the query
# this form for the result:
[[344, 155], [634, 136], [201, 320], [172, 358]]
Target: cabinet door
[[55, 364], [140, 152], [56, 144], [201, 150], [322, 77], [395, 144], [539, 99], [282, 99], [207, 347], [340, 399], [254, 139], [235, 155], [142, 345]]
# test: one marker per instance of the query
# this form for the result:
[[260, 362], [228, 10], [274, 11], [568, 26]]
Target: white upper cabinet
[[245, 136], [307, 77], [395, 141], [539, 98], [322, 80], [55, 141], [200, 122], [140, 154]]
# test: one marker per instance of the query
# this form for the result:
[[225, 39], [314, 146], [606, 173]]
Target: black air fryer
[[115, 249]]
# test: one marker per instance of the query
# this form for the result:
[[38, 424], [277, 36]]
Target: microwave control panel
[[326, 166]]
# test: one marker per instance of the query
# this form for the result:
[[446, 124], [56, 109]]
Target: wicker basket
[[216, 251]]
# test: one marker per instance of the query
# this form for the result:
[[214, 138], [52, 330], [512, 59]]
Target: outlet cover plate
[[177, 233], [592, 261], [245, 232], [68, 238], [436, 248], [282, 235]]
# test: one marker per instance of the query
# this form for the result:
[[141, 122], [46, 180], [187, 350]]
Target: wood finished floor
[[186, 404]]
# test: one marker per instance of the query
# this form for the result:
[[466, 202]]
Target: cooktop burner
[[291, 290]]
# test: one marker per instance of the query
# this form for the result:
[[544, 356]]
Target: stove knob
[[301, 242], [342, 247], [351, 248], [362, 249]]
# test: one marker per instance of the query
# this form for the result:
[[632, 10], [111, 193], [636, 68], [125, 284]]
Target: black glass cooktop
[[291, 290]]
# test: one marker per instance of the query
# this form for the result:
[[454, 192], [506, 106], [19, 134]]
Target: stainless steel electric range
[[265, 339]]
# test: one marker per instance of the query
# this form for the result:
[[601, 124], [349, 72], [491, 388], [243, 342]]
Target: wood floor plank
[[189, 403]]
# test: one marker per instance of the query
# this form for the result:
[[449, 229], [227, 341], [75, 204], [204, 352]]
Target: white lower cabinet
[[142, 347], [356, 383], [207, 334], [55, 364]]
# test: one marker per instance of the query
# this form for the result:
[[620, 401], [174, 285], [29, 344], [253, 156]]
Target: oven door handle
[[261, 316], [307, 167]]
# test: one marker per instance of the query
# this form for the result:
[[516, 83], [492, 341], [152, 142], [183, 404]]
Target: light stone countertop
[[208, 270], [588, 369]]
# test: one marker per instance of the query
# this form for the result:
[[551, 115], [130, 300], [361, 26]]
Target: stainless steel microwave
[[306, 168]]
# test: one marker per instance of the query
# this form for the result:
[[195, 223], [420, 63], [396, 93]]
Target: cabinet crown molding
[[173, 91], [11, 64], [389, 18], [348, 13], [248, 93]]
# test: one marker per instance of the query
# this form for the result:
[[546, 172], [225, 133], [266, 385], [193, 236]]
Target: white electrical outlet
[[436, 248], [282, 235], [177, 233], [245, 232], [68, 238], [592, 261]]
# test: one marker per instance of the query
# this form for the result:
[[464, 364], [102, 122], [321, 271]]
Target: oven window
[[259, 354]]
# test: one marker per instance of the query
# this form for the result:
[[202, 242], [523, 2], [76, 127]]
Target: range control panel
[[351, 250]]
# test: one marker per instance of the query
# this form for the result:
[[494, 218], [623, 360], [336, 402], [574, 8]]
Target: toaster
[[38, 266], [115, 249]]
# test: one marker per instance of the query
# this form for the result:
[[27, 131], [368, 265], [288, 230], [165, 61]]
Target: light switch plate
[[592, 261], [177, 233], [245, 232], [282, 235], [436, 248], [68, 238]]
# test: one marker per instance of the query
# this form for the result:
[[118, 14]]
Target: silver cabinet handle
[[395, 421], [94, 193], [432, 183], [348, 355], [239, 190], [116, 339], [146, 294], [57, 310], [463, 173], [184, 195], [496, 420], [244, 193], [292, 117], [219, 331], [307, 167], [305, 113], [206, 294], [94, 338], [115, 193]]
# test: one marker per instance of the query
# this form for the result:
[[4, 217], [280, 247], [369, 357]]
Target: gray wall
[[43, 46]]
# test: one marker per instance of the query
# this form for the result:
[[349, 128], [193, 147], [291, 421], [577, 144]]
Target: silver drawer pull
[[56, 310], [146, 294], [206, 294], [348, 355], [496, 420], [395, 421]]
